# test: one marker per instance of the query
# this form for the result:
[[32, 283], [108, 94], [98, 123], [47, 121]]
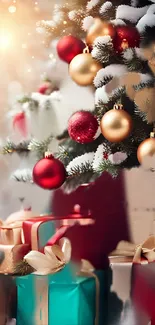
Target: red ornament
[[82, 127], [126, 37], [47, 88], [68, 47], [49, 173], [19, 123]]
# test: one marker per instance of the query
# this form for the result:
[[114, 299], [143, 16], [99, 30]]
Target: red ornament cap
[[49, 155]]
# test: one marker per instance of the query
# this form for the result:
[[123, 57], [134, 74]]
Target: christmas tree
[[117, 62]]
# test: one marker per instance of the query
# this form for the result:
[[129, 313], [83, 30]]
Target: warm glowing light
[[29, 70], [12, 9], [51, 56], [65, 22], [24, 46], [36, 9], [5, 40], [32, 57]]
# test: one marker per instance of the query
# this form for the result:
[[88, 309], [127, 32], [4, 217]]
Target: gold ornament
[[99, 28], [83, 69], [146, 148], [116, 124]]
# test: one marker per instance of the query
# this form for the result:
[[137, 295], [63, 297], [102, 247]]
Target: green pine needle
[[23, 268], [107, 166], [40, 147], [21, 148]]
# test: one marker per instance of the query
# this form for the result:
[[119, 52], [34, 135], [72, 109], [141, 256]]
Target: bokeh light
[[12, 9], [5, 40]]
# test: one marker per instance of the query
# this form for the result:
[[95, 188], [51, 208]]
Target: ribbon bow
[[53, 260], [145, 250]]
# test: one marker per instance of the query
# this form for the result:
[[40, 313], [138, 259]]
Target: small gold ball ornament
[[116, 124], [83, 69], [146, 148], [100, 28]]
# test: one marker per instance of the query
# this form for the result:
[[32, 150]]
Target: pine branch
[[21, 148], [63, 135], [141, 114], [40, 147], [133, 62], [24, 176], [101, 108], [80, 169], [72, 183], [109, 13], [23, 268], [146, 84], [33, 104], [107, 166], [64, 155], [103, 52], [69, 148]]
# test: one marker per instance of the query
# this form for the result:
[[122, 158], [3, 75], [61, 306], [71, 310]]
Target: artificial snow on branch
[[106, 74], [32, 103], [103, 49], [63, 155], [129, 13], [107, 11], [80, 164], [40, 147], [87, 23], [100, 154], [22, 175], [132, 60], [91, 4], [145, 21], [22, 148]]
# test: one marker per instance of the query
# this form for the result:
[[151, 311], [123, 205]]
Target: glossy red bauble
[[82, 127], [49, 173], [68, 47], [126, 37]]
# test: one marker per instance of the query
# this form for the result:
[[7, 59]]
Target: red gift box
[[35, 234], [106, 200], [143, 292]]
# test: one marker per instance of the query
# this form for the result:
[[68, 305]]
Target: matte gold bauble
[[83, 69], [116, 124], [99, 28], [146, 149]]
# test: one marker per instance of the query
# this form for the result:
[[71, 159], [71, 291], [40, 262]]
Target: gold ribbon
[[146, 250], [54, 259], [10, 234], [87, 270], [62, 222]]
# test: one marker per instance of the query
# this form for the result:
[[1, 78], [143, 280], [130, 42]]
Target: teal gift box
[[61, 299]]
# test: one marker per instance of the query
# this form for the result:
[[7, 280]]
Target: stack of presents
[[41, 284]]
